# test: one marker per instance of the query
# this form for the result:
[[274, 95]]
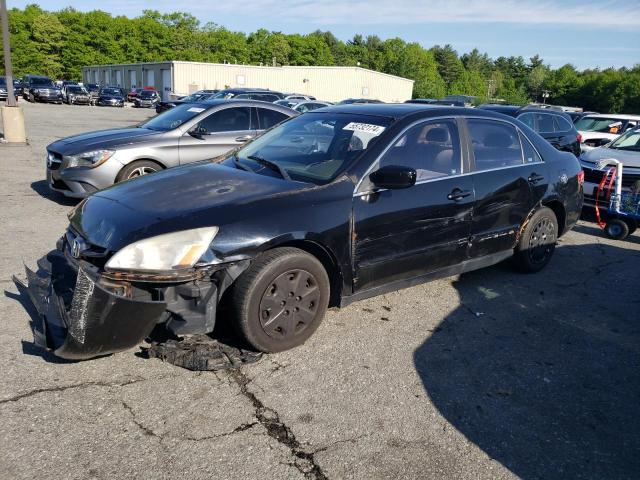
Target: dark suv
[[555, 127], [41, 89]]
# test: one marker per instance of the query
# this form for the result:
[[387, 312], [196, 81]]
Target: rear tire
[[137, 169], [280, 300], [617, 229], [537, 241]]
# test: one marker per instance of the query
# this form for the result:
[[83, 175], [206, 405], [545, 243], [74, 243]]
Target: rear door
[[509, 178], [221, 131]]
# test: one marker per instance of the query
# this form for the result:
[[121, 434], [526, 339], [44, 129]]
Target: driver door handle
[[458, 194], [244, 138]]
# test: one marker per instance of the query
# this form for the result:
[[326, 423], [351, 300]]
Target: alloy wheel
[[137, 172]]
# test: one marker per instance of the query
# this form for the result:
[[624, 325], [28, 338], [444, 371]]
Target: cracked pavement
[[493, 374]]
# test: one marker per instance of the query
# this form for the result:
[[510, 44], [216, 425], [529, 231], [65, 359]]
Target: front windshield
[[42, 82], [172, 118], [628, 141], [315, 147], [596, 124], [110, 91], [3, 82], [147, 93], [75, 90]]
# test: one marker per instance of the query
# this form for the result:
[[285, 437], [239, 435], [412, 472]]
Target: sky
[[585, 33]]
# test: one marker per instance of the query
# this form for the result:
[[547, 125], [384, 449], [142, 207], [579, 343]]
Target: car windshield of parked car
[[315, 147], [287, 103], [172, 118], [75, 89], [111, 91], [3, 82], [223, 95], [42, 82], [147, 94], [628, 141], [596, 124]]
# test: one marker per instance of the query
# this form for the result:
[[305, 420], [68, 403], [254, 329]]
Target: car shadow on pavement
[[42, 188], [542, 372]]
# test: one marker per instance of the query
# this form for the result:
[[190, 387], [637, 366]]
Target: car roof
[[395, 110], [215, 102], [614, 116]]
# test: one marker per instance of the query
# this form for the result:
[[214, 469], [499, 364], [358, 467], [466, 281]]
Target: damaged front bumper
[[82, 313]]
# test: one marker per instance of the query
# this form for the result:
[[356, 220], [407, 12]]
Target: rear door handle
[[458, 194], [535, 178], [244, 138]]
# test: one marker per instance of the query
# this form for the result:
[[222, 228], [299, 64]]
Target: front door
[[509, 179], [401, 234], [221, 131]]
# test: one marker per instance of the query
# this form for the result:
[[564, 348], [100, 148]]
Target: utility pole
[[12, 118]]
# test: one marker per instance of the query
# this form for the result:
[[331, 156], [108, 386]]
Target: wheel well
[[140, 160], [328, 261], [560, 213]]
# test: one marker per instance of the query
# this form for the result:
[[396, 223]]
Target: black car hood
[[192, 196], [101, 139]]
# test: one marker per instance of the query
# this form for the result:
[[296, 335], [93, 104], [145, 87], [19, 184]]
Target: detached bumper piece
[[81, 315]]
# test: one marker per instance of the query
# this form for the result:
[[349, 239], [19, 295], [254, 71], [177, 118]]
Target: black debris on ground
[[200, 353]]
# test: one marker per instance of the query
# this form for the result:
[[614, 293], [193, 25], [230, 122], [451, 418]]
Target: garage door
[[132, 78], [118, 78], [151, 79], [166, 83]]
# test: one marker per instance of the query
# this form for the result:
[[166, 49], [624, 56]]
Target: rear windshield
[[173, 118], [315, 147], [628, 141]]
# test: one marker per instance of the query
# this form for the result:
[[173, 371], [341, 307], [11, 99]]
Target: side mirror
[[196, 134], [393, 177]]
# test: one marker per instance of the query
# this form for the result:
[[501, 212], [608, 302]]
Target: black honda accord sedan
[[333, 206]]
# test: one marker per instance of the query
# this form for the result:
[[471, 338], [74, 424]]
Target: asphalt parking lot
[[493, 374]]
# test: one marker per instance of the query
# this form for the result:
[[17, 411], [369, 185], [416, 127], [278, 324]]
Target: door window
[[432, 149], [529, 120], [227, 120], [268, 118], [561, 124], [494, 144], [545, 123]]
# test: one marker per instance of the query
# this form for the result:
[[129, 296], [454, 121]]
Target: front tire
[[137, 169], [537, 241], [617, 229], [280, 300]]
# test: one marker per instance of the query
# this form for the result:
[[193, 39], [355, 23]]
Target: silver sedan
[[82, 164]]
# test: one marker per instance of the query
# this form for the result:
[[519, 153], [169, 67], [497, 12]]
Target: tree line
[[58, 44]]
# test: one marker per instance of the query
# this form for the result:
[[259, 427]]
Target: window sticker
[[364, 127], [196, 109]]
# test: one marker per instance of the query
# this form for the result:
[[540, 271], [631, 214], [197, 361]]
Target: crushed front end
[[86, 311]]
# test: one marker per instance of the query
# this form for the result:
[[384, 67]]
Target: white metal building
[[325, 83]]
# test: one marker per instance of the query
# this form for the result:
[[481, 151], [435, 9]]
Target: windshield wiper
[[240, 165], [271, 165]]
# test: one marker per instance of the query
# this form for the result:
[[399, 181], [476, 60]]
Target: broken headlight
[[171, 251], [89, 159]]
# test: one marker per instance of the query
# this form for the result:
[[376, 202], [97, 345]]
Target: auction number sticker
[[364, 127], [196, 110]]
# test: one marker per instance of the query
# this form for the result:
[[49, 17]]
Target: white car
[[599, 129], [302, 105]]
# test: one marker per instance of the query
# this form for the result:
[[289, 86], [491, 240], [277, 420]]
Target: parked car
[[433, 101], [41, 89], [598, 130], [554, 126], [249, 94], [18, 87], [78, 166], [110, 97], [66, 83], [626, 149], [298, 96], [4, 92], [76, 95], [328, 208], [94, 91], [195, 97], [349, 101], [146, 99], [302, 106]]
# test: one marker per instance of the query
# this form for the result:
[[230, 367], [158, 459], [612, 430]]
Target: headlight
[[171, 251], [89, 159]]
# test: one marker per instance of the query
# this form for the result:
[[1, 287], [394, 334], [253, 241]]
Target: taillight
[[579, 138], [581, 177]]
